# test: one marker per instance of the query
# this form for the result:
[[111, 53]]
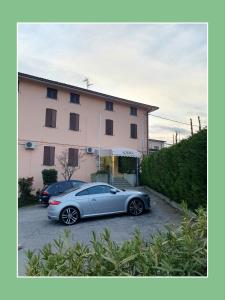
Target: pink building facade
[[54, 117]]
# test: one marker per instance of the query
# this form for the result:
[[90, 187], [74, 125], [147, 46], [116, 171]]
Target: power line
[[188, 124]]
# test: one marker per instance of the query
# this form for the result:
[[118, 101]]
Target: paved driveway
[[35, 230]]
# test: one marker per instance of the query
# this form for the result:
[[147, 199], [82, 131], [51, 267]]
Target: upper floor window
[[50, 118], [109, 105], [133, 131], [52, 93], [108, 127], [49, 156], [74, 98], [73, 157], [133, 111], [74, 121]]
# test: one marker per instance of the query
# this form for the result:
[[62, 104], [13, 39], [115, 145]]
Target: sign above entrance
[[126, 152]]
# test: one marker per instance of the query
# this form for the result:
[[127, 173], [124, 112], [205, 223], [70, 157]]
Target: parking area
[[35, 230]]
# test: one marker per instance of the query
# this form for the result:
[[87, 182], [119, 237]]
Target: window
[[109, 105], [133, 111], [109, 127], [51, 93], [156, 147], [133, 131], [74, 98], [50, 118], [74, 122], [83, 193], [99, 189], [73, 157], [49, 156]]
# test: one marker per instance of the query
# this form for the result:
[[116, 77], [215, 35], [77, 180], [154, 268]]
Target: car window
[[54, 189], [99, 189], [83, 193]]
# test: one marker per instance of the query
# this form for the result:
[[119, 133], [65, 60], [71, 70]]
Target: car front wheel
[[135, 207], [69, 215]]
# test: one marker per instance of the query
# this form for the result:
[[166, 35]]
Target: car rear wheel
[[69, 215], [135, 207]]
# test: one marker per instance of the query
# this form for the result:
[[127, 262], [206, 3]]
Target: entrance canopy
[[125, 152]]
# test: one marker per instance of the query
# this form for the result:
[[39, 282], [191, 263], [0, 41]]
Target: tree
[[68, 167]]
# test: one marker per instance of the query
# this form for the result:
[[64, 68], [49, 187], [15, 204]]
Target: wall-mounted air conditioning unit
[[90, 150], [30, 145]]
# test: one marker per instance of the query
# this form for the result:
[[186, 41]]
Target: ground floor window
[[73, 157]]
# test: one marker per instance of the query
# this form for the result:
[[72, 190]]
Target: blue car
[[56, 189]]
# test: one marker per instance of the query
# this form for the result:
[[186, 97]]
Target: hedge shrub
[[25, 191], [180, 172], [180, 252], [49, 176]]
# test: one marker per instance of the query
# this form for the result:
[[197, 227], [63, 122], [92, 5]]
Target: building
[[54, 117], [155, 145]]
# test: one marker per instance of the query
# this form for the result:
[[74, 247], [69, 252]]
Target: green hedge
[[180, 172], [49, 176]]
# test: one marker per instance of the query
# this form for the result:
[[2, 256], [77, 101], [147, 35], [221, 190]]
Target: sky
[[163, 65]]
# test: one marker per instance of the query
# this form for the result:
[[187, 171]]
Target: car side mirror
[[113, 191]]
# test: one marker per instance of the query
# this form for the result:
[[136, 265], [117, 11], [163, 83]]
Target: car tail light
[[54, 202], [45, 193]]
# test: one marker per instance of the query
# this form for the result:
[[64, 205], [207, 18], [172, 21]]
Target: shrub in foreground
[[173, 253]]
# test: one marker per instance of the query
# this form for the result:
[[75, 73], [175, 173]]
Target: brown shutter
[[48, 117], [49, 156], [133, 131], [109, 127], [46, 156], [54, 118], [74, 121], [73, 157], [52, 156]]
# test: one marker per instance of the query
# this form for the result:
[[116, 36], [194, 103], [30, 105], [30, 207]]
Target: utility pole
[[173, 138], [87, 82], [176, 137], [191, 126], [199, 124]]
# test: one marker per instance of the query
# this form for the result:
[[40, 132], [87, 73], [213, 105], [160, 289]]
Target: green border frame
[[212, 12]]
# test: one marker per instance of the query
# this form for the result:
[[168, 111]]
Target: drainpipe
[[147, 130]]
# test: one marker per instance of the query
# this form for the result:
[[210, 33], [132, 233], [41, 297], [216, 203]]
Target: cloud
[[159, 64]]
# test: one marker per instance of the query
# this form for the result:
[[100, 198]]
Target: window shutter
[[49, 156], [52, 156], [133, 131], [109, 127], [73, 157], [53, 118], [74, 121], [48, 117]]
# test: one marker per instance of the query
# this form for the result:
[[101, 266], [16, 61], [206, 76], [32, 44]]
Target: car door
[[103, 201], [84, 202]]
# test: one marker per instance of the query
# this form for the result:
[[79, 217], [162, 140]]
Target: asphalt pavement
[[35, 230]]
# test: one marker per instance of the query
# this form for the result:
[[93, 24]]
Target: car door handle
[[93, 199]]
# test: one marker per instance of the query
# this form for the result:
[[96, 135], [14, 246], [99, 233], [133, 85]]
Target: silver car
[[96, 199]]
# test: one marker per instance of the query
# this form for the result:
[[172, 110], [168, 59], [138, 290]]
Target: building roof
[[77, 89], [153, 140]]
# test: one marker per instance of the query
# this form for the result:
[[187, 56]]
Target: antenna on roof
[[86, 79]]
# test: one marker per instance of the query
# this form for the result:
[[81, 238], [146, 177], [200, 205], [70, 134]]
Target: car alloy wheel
[[69, 215], [136, 207]]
